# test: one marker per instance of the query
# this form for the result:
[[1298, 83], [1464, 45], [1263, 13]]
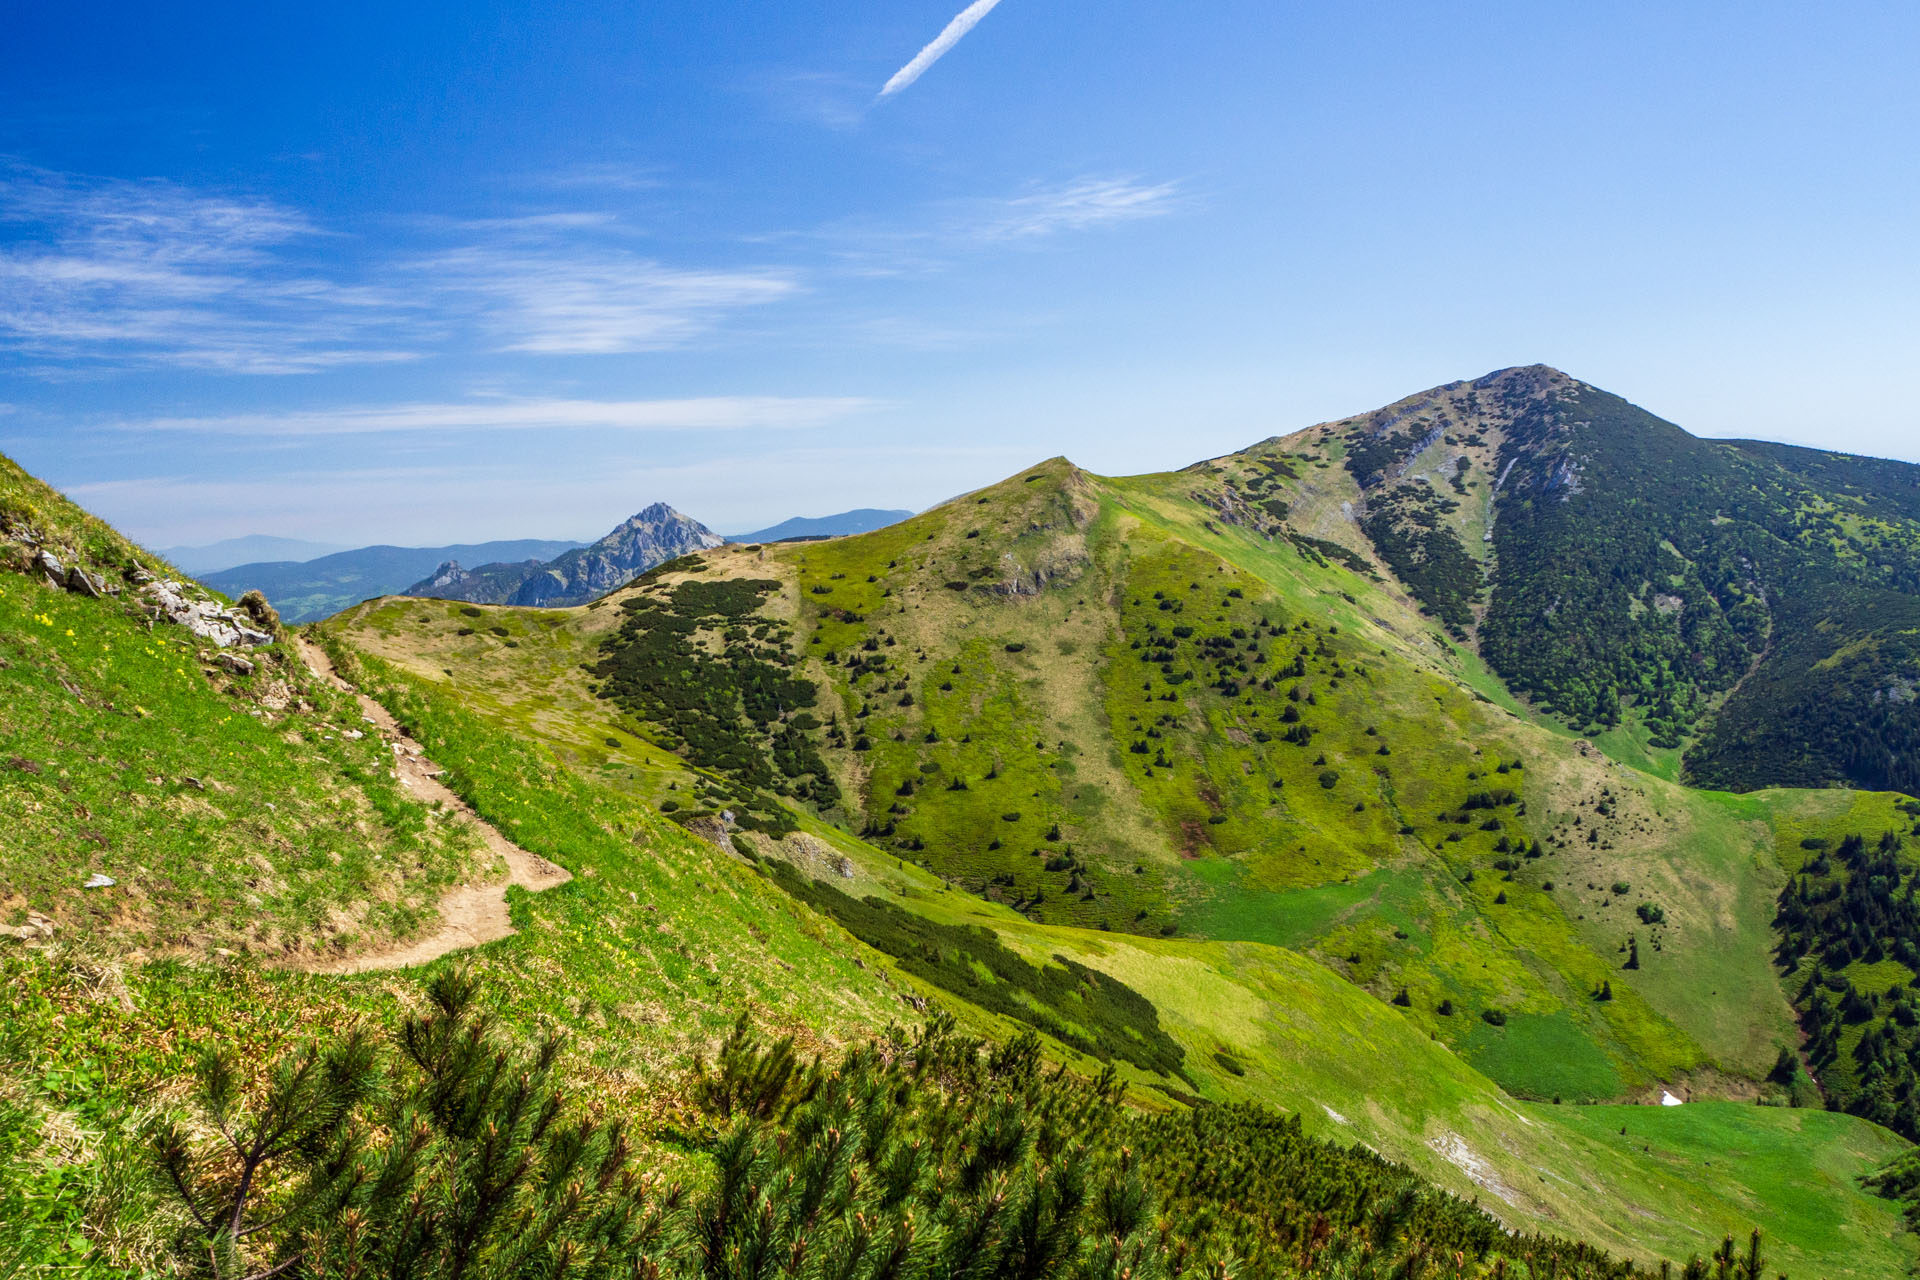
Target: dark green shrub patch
[[740, 711], [1075, 1005]]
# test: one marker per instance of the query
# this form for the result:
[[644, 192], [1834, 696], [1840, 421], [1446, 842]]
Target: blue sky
[[432, 273]]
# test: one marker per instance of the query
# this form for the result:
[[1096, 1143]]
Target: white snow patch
[[1668, 1100], [1335, 1115]]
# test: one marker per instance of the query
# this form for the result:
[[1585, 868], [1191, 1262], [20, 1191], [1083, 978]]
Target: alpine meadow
[[748, 641], [1297, 864]]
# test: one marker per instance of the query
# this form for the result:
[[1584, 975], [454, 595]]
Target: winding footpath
[[470, 914]]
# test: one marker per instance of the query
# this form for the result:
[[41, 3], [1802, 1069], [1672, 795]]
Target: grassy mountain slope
[[995, 674], [1085, 810], [249, 827], [130, 750], [1179, 786], [1256, 1022], [246, 814]]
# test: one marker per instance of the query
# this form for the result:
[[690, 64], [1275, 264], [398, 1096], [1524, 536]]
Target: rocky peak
[[652, 536], [658, 513], [657, 521], [1527, 379], [447, 575]]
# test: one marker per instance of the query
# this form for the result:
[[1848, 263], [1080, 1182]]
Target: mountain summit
[[652, 536], [1755, 604]]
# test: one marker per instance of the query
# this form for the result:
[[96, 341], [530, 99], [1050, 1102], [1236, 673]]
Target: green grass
[[1309, 1043], [1444, 742], [1722, 1161], [1296, 918], [647, 957], [1542, 1057], [1630, 742], [661, 939], [223, 823]]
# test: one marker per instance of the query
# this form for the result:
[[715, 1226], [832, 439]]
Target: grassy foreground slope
[[250, 824], [1256, 1022], [132, 748]]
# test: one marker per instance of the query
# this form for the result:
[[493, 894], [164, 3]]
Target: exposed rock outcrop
[[447, 575], [206, 618], [252, 623]]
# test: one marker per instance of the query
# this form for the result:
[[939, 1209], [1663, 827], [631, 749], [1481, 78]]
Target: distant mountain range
[[255, 548], [314, 589], [653, 536], [308, 581], [864, 520]]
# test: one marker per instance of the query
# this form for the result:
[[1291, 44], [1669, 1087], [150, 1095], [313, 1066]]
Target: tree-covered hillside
[[1850, 951], [1758, 603]]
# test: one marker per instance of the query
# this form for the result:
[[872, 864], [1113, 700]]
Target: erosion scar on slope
[[470, 914]]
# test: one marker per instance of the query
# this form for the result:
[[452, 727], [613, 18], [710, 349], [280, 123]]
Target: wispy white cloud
[[699, 413], [946, 232], [600, 175], [525, 224], [110, 272], [155, 272], [570, 282], [1076, 206], [967, 19], [549, 298]]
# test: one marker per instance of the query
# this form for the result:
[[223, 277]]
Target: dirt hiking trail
[[470, 914]]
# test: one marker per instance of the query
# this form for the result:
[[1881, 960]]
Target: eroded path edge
[[470, 914]]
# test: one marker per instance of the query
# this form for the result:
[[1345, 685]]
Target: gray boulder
[[83, 583], [49, 564]]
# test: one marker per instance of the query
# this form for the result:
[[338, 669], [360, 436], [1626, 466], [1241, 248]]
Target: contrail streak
[[969, 19]]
